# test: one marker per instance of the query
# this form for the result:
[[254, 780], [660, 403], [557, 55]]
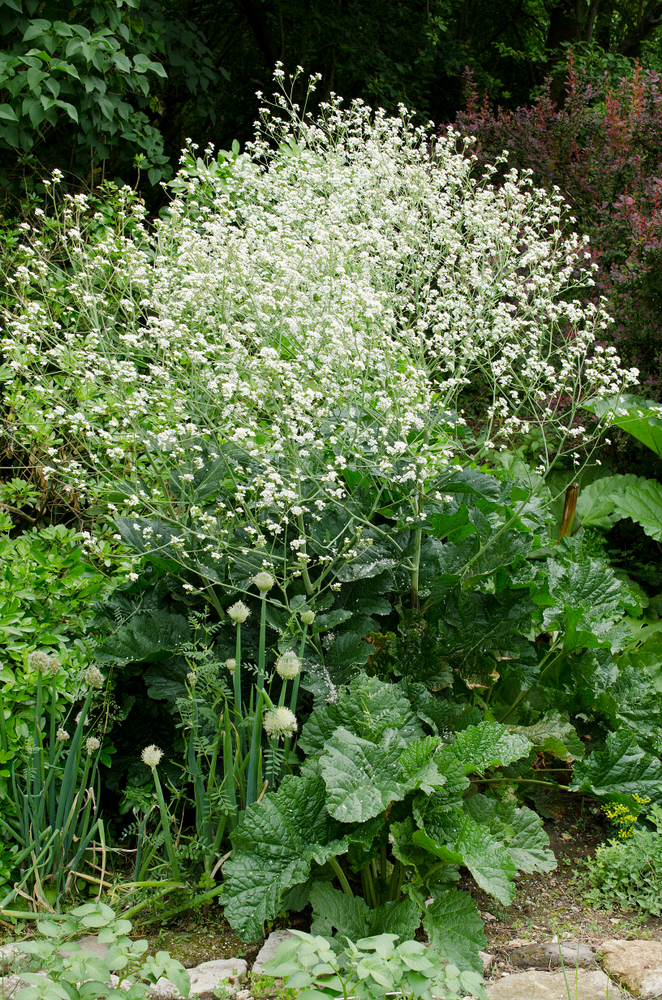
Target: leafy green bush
[[79, 85], [628, 873], [317, 968]]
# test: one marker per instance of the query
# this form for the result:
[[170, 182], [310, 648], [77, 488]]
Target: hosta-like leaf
[[488, 745], [362, 778], [366, 707], [273, 849], [455, 930], [621, 767]]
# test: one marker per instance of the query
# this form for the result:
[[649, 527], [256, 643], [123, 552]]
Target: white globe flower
[[288, 665], [94, 678], [61, 735], [92, 744], [151, 756], [238, 613], [231, 664], [263, 581], [308, 617], [280, 722]]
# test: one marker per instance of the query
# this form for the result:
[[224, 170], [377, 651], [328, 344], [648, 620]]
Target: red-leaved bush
[[603, 149]]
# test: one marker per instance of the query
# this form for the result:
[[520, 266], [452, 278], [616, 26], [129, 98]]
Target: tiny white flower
[[191, 677], [263, 581], [151, 756], [280, 722], [288, 665], [238, 613]]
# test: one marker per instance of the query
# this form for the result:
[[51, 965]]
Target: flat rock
[[531, 985], [90, 944], [568, 955], [9, 956], [637, 965], [268, 950], [205, 977]]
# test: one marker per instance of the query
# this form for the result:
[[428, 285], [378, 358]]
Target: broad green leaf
[[621, 767], [367, 707], [472, 623], [595, 504], [456, 838], [455, 930], [586, 598], [642, 501], [362, 777], [351, 916], [151, 636], [273, 849], [488, 745], [7, 113], [520, 830], [638, 416], [346, 650], [555, 735]]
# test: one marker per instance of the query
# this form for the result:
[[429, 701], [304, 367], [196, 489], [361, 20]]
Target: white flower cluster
[[313, 311]]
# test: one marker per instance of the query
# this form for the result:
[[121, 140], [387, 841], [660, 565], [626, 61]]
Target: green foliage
[[368, 967], [79, 87], [374, 810], [628, 873], [73, 974]]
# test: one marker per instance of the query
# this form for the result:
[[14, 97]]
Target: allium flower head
[[94, 678], [263, 581], [192, 677], [288, 665], [238, 612], [231, 664], [42, 662], [151, 756], [92, 744], [280, 722], [308, 617], [62, 735]]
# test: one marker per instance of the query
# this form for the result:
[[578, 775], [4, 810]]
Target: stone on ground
[[569, 955], [552, 986], [90, 944], [268, 950], [205, 977], [637, 965]]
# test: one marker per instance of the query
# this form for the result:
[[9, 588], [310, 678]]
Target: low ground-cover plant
[[72, 974], [628, 872], [317, 967]]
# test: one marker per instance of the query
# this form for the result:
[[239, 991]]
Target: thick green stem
[[237, 692], [165, 823], [342, 878]]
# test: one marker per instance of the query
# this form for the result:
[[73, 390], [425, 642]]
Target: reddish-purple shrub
[[603, 149]]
